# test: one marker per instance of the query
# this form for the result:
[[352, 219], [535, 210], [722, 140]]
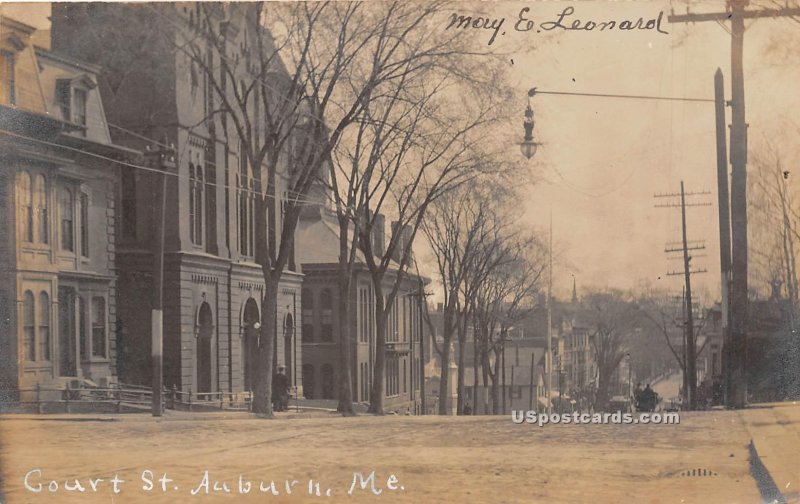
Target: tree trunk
[[345, 406], [496, 385], [601, 397], [476, 365], [378, 389], [262, 400], [462, 343], [444, 380]]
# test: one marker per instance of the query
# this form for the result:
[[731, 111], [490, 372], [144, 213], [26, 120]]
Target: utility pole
[[548, 362], [723, 201], [690, 375], [530, 391], [162, 158], [736, 13]]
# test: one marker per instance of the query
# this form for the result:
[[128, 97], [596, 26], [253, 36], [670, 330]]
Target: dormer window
[[80, 107], [72, 97], [64, 96]]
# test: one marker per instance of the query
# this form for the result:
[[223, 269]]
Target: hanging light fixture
[[528, 146]]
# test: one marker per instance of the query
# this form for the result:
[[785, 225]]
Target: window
[[405, 377], [84, 205], [364, 381], [307, 304], [364, 315], [392, 334], [9, 90], [98, 327], [207, 84], [196, 204], [392, 375], [64, 99], [29, 326], [327, 381], [40, 202], [44, 326], [26, 205], [128, 203], [84, 337], [308, 381], [80, 108], [326, 304], [66, 209], [406, 321], [246, 204]]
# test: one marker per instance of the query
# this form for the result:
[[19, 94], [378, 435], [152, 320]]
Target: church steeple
[[574, 291]]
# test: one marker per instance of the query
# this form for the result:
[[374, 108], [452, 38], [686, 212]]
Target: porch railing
[[118, 398]]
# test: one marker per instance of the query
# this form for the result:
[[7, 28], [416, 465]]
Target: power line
[[301, 201], [634, 97]]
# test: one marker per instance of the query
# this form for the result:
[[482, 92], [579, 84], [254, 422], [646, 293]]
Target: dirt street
[[432, 459]]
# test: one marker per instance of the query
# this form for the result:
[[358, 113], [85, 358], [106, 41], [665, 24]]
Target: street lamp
[[528, 146]]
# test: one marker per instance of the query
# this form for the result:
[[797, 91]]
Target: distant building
[[58, 257]]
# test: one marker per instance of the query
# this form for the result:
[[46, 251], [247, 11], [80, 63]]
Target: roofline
[[47, 53], [19, 25]]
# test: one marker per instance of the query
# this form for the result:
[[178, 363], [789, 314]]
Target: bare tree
[[487, 267], [506, 294], [613, 319], [773, 207], [463, 230]]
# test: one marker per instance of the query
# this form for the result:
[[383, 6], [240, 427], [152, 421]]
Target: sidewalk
[[775, 431], [169, 415]]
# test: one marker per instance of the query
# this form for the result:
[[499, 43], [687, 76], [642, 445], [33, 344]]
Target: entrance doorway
[[204, 336], [251, 323], [288, 339]]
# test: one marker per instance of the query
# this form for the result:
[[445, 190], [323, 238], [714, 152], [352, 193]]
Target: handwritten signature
[[565, 21]]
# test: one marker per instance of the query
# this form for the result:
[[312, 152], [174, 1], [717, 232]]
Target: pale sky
[[603, 159]]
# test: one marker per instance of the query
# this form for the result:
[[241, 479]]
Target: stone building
[[58, 295], [318, 252], [213, 288]]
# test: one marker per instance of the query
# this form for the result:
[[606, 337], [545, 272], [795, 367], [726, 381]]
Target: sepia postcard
[[400, 251]]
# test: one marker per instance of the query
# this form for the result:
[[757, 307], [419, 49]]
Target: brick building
[[318, 252], [58, 302]]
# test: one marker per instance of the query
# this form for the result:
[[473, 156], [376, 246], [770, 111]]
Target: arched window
[[44, 326], [307, 304], [40, 197], [288, 354], [66, 208], [26, 205], [327, 381], [29, 326], [308, 381], [245, 209], [198, 202], [192, 215], [326, 318]]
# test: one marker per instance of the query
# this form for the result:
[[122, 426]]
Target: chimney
[[378, 235], [403, 239]]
